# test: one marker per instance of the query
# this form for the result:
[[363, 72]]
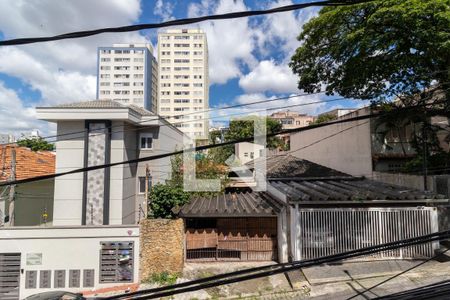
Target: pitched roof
[[245, 204], [103, 104], [286, 165], [347, 190], [91, 104], [28, 163]]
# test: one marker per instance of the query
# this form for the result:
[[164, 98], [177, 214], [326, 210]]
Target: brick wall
[[162, 246]]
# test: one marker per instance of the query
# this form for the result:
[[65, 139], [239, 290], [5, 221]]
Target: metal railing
[[330, 231]]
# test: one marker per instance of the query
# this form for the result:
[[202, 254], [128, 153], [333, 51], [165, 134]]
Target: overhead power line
[[200, 148], [187, 21], [258, 272]]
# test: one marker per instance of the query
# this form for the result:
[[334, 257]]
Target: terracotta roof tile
[[28, 163]]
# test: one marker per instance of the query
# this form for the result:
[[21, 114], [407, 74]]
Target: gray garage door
[[9, 276]]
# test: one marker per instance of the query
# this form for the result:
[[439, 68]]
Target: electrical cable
[[186, 21], [265, 271], [210, 146], [399, 274]]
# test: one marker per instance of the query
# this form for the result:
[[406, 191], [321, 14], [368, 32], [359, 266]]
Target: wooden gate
[[9, 276], [225, 239]]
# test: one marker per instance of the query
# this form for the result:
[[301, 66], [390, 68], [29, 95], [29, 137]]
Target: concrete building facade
[[107, 132], [128, 74], [183, 80], [292, 119]]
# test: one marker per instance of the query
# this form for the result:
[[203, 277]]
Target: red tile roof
[[28, 163]]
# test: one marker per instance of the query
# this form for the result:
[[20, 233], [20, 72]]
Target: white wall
[[66, 248], [69, 188], [245, 147], [345, 147]]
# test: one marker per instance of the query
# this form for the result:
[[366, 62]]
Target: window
[[165, 37], [105, 68], [105, 59], [181, 84], [198, 61], [138, 76], [106, 51], [181, 60], [142, 184], [138, 84], [139, 59], [105, 76], [181, 93], [165, 76], [165, 84], [245, 154], [181, 68], [181, 37], [165, 100], [181, 45], [138, 92], [146, 141], [165, 108], [165, 53], [181, 101], [139, 67], [165, 68], [198, 52], [165, 61], [198, 69], [181, 52], [104, 84], [181, 76], [198, 84], [252, 155], [197, 76], [165, 93]]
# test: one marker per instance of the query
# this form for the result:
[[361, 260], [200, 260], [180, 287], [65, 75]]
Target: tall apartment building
[[183, 80], [128, 74]]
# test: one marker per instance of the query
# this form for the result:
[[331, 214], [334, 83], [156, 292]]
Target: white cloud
[[230, 42], [281, 30], [15, 117], [164, 10], [62, 71], [269, 76]]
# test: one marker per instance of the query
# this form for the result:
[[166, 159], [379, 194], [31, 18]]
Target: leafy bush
[[35, 144], [163, 278], [163, 198]]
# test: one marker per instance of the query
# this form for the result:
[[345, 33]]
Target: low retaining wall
[[162, 246], [65, 258]]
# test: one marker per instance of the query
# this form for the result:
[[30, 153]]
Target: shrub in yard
[[163, 278], [163, 198]]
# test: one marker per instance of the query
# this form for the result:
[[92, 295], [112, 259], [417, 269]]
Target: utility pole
[[425, 162], [12, 188], [146, 202]]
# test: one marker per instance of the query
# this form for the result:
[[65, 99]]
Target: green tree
[[376, 50], [163, 198], [243, 128], [324, 118], [36, 144]]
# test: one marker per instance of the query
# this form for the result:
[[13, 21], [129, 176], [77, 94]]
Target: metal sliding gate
[[9, 276], [330, 231]]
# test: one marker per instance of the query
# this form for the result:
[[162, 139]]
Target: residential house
[[308, 211], [291, 120], [246, 151], [33, 202], [102, 132]]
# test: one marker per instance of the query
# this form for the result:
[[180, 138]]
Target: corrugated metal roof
[[286, 165], [352, 189], [231, 205]]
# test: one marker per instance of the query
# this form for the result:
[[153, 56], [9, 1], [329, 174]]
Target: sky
[[248, 57]]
